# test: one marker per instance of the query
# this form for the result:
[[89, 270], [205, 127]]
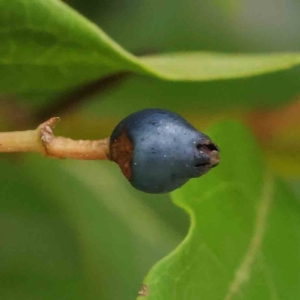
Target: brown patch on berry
[[121, 150]]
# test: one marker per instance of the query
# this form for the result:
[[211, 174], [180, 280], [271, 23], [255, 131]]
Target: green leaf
[[244, 239], [214, 66], [47, 46]]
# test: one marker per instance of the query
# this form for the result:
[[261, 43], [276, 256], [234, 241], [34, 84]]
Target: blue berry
[[159, 151]]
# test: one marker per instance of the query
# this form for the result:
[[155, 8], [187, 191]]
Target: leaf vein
[[243, 272]]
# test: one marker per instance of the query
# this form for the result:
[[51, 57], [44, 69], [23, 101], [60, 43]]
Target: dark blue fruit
[[158, 151]]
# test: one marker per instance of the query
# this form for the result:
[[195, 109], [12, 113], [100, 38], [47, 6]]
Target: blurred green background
[[78, 230]]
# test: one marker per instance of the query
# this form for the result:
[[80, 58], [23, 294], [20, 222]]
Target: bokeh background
[[78, 230]]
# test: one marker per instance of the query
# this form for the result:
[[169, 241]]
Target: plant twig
[[42, 140]]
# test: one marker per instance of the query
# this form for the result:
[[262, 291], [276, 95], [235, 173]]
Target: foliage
[[77, 230], [38, 36], [242, 221]]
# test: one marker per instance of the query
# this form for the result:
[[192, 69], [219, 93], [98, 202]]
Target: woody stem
[[42, 140]]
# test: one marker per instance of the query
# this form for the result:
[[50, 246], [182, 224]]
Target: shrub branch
[[42, 140]]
